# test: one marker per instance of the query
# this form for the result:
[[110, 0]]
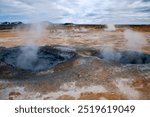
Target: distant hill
[[9, 25]]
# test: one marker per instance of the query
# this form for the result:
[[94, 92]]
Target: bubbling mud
[[123, 56], [47, 57]]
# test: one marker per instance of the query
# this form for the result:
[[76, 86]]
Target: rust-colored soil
[[85, 77]]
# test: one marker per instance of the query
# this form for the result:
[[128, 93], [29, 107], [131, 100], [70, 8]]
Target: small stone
[[13, 95]]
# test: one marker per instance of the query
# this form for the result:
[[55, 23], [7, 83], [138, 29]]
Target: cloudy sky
[[76, 11]]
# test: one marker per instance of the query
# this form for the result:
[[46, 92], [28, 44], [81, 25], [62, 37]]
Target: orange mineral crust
[[81, 62]]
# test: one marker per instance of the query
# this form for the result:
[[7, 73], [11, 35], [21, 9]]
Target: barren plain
[[77, 62]]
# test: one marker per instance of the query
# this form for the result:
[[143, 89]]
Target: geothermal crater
[[123, 56], [46, 57], [49, 56]]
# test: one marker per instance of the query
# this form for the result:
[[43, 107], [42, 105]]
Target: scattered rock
[[13, 95]]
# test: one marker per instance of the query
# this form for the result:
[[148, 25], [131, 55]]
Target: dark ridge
[[11, 25], [68, 24]]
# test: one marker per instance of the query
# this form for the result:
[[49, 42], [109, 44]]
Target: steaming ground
[[84, 63]]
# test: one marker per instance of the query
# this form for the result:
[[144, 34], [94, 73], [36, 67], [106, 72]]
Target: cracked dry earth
[[85, 75]]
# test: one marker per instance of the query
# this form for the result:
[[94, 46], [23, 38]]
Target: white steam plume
[[110, 28], [28, 55], [134, 40], [110, 54]]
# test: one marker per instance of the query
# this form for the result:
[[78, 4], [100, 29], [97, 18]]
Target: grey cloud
[[80, 11], [146, 0]]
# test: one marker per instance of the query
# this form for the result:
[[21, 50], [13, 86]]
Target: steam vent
[[46, 57], [76, 62]]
